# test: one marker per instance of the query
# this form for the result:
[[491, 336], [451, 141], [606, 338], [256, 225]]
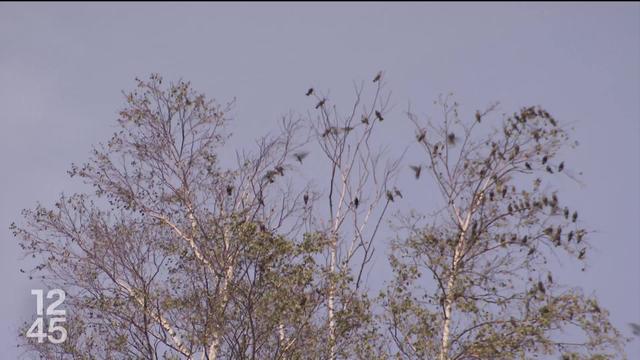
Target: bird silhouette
[[527, 165], [364, 120], [417, 169], [356, 202], [321, 103], [574, 217], [478, 116], [544, 159], [549, 170], [378, 77], [582, 253], [379, 115], [389, 195], [280, 170], [309, 92], [561, 166], [451, 139], [421, 135], [541, 287], [300, 156], [397, 193], [305, 198]]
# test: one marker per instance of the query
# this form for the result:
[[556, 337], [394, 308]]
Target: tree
[[493, 295], [174, 256]]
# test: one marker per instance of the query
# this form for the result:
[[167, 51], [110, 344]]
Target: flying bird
[[379, 115], [417, 169], [300, 156], [309, 92], [321, 103], [378, 77]]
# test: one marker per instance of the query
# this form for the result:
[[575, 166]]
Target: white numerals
[[56, 333]]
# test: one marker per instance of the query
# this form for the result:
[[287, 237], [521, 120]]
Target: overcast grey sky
[[62, 68]]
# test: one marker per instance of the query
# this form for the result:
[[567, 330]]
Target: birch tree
[[476, 281], [172, 255]]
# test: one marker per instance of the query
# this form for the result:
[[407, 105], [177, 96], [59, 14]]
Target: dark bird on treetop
[[356, 202], [421, 136], [378, 77], [305, 198], [549, 170], [417, 169], [321, 103], [309, 92], [527, 165], [364, 120], [451, 138], [389, 195], [379, 115], [544, 160], [541, 287], [478, 116], [575, 216], [561, 166], [300, 155]]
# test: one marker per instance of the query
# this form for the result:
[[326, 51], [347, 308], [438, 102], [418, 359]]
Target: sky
[[63, 68]]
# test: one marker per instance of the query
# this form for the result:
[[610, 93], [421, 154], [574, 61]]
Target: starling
[[478, 116], [570, 236], [566, 213], [389, 195], [544, 160], [574, 218], [582, 253], [417, 169], [379, 115], [549, 170], [309, 92], [300, 156], [561, 166], [378, 77], [421, 136], [527, 165], [305, 198], [531, 251], [321, 103], [364, 120], [356, 202], [451, 139], [397, 193]]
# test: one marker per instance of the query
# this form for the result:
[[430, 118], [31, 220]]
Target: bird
[[300, 155], [561, 166], [417, 169], [321, 103], [566, 213], [280, 170], [229, 190], [364, 120], [378, 77], [421, 136], [527, 165], [356, 202], [574, 218], [451, 138], [379, 115], [550, 278], [549, 170], [541, 287], [389, 195], [270, 175], [309, 92], [347, 129], [397, 193], [635, 328], [305, 198], [582, 253], [544, 159], [478, 116]]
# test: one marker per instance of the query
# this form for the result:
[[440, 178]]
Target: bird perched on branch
[[379, 115], [421, 135], [321, 103], [378, 77], [309, 92]]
